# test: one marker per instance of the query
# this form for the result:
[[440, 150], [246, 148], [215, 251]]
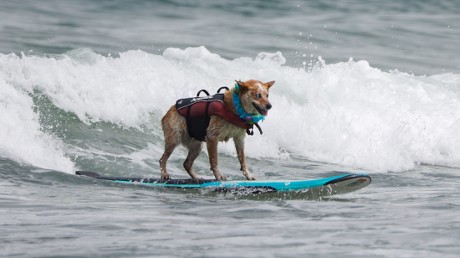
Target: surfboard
[[339, 184]]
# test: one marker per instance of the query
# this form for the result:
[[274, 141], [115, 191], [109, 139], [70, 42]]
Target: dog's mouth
[[261, 110]]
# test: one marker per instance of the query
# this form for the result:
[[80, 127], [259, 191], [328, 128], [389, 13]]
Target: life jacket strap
[[250, 130]]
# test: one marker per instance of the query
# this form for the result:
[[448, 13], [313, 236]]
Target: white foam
[[346, 113]]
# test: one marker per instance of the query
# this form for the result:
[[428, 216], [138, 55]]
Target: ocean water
[[361, 86]]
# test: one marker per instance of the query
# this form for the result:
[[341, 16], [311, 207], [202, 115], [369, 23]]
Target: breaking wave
[[346, 113]]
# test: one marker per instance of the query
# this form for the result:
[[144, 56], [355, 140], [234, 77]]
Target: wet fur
[[254, 99]]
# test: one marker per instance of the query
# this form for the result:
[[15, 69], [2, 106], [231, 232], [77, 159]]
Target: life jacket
[[198, 111]]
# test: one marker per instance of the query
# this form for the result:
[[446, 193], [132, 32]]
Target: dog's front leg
[[239, 145], [211, 143]]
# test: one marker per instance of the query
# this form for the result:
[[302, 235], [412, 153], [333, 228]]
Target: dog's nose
[[269, 106]]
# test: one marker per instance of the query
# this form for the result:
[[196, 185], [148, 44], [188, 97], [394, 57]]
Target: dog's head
[[254, 96]]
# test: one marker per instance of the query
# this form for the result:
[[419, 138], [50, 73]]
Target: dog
[[247, 102]]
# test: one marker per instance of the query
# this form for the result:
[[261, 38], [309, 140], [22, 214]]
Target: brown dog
[[251, 103]]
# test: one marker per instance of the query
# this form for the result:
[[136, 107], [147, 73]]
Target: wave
[[346, 113]]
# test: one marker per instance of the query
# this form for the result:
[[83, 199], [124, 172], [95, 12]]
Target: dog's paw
[[165, 176], [250, 177], [221, 178]]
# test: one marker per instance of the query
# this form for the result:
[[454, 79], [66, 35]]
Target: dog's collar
[[249, 118]]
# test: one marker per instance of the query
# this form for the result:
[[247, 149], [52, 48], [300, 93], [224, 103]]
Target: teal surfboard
[[339, 184]]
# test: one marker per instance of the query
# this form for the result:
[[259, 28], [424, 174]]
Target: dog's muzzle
[[262, 110]]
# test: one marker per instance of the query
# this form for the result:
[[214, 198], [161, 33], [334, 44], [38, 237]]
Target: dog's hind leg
[[169, 148], [172, 140], [194, 149], [173, 128]]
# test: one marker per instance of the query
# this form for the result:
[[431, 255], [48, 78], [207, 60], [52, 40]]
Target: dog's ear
[[243, 87], [269, 84]]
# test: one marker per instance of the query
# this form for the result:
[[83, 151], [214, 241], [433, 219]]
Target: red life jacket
[[198, 111]]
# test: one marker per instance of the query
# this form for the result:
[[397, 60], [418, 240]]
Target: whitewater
[[346, 113]]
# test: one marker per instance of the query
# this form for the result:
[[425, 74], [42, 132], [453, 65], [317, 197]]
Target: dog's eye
[[258, 96]]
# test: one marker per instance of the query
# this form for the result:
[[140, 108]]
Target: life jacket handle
[[205, 92], [223, 88]]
